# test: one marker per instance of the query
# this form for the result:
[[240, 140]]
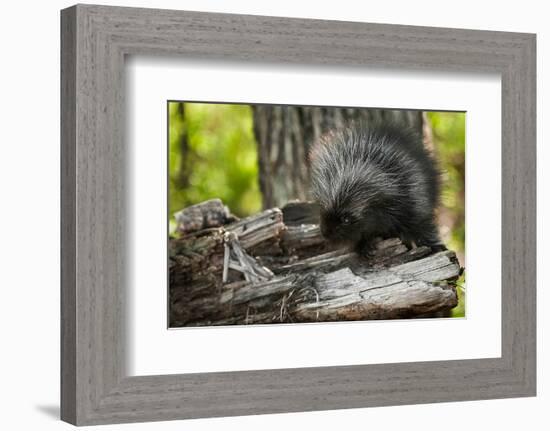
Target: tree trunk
[[181, 178], [286, 133]]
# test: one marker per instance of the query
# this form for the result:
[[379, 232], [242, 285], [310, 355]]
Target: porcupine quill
[[375, 181]]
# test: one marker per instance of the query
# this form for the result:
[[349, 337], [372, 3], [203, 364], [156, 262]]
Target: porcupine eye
[[345, 220]]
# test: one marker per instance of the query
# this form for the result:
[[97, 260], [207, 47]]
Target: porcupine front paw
[[436, 248], [431, 239]]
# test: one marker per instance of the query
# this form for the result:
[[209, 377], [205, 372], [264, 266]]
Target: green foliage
[[460, 309], [449, 139], [449, 144], [221, 159]]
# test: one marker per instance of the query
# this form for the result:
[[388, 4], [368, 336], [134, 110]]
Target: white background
[[29, 220], [154, 350]]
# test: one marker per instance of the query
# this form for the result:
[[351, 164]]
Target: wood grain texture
[[268, 269], [68, 211], [95, 387]]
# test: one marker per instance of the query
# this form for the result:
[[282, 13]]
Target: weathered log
[[299, 212], [259, 270], [253, 231], [192, 249], [405, 290], [237, 259], [196, 262], [211, 213]]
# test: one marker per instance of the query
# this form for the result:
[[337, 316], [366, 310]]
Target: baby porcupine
[[375, 180]]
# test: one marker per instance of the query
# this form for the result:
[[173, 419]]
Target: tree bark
[[181, 178]]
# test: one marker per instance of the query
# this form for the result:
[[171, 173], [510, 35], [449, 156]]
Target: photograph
[[285, 214]]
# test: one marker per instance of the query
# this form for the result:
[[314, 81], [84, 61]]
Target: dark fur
[[374, 181]]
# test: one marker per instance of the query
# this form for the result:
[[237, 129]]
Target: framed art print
[[269, 215]]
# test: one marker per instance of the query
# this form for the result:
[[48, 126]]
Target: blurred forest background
[[226, 151]]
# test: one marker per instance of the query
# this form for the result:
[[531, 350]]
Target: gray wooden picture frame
[[94, 42]]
